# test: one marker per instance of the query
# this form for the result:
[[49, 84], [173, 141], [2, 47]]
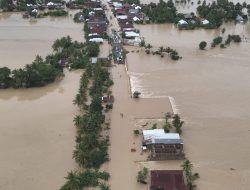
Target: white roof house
[[98, 9], [244, 11], [91, 13], [159, 133], [97, 40], [93, 60], [131, 34], [205, 22], [239, 18], [182, 22], [135, 19], [137, 7], [117, 5], [159, 136], [50, 4], [34, 11], [122, 17], [93, 34]]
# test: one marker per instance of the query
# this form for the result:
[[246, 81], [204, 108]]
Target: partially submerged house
[[182, 22], [108, 99], [163, 146], [105, 61], [167, 180], [239, 18], [97, 40], [205, 22], [92, 4]]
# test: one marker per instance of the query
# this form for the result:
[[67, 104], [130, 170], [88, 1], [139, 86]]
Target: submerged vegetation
[[54, 13], [79, 180], [230, 38], [91, 149], [190, 176], [222, 10], [142, 175], [209, 15], [162, 12], [39, 73], [202, 45], [177, 123], [172, 53]]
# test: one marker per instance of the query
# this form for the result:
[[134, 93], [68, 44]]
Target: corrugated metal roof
[[158, 136], [165, 141]]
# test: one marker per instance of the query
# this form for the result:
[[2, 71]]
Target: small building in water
[[167, 180], [163, 146]]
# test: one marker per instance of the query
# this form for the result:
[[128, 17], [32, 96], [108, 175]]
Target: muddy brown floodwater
[[36, 131], [22, 39], [211, 90]]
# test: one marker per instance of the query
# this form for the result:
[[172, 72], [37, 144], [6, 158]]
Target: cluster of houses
[[33, 8], [190, 21], [96, 21], [127, 14]]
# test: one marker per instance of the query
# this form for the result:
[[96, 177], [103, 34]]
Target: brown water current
[[211, 90], [37, 131]]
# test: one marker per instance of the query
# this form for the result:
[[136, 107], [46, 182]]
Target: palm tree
[[161, 49], [168, 50], [73, 182], [187, 166], [104, 186], [190, 177], [177, 123], [149, 46], [142, 43], [79, 100], [80, 156], [78, 121]]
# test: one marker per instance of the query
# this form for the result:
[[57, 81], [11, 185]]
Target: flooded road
[[37, 131]]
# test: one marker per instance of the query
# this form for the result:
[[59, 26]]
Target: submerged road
[[116, 40], [119, 56]]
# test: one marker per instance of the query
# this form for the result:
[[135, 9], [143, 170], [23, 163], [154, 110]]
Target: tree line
[[219, 41], [21, 5], [41, 72], [172, 53], [91, 149], [222, 10], [162, 12], [215, 12]]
